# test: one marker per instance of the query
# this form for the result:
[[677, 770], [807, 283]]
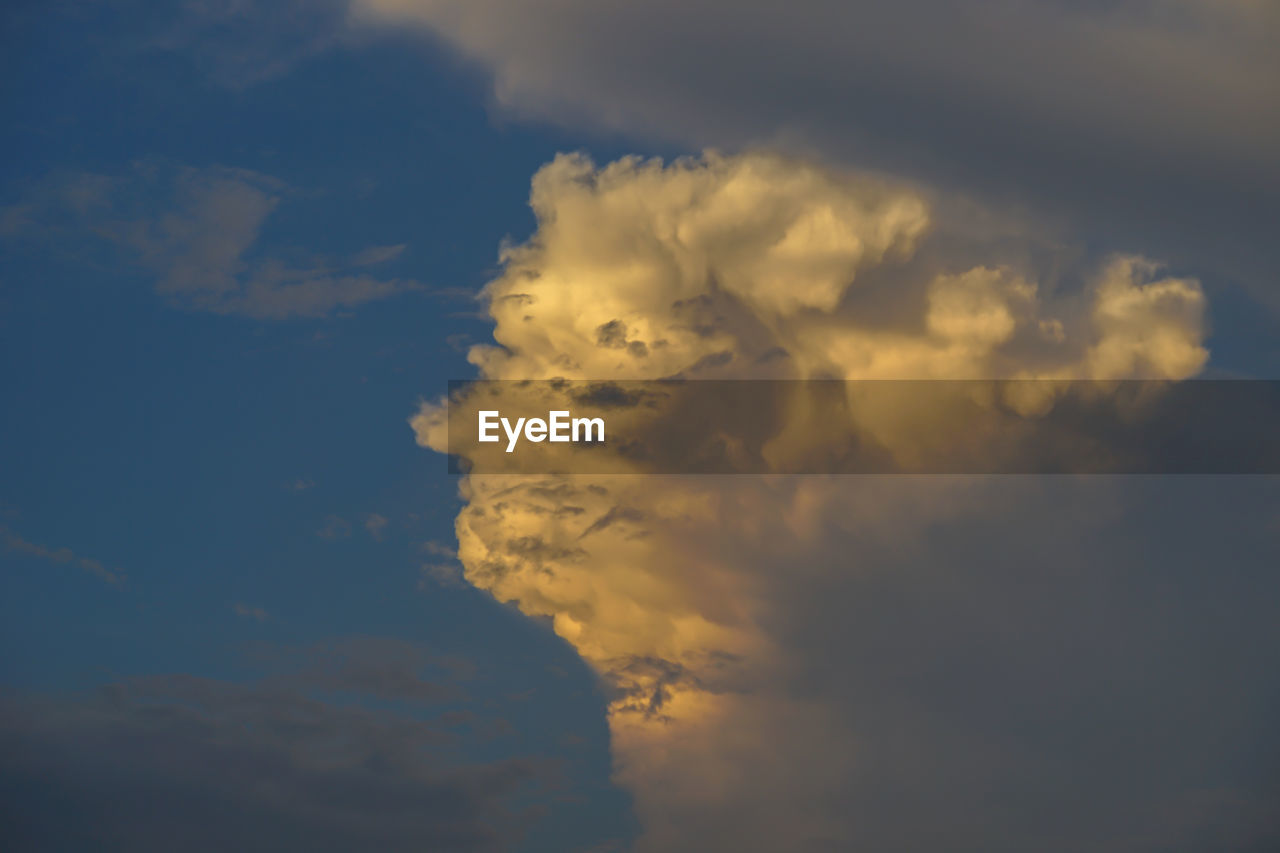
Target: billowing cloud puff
[[739, 722], [641, 270], [752, 266]]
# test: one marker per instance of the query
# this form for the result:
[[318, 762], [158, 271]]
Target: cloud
[[246, 611], [438, 549], [376, 525], [293, 767], [1148, 125], [241, 43], [764, 265], [335, 527], [16, 543], [384, 668], [828, 663], [377, 255], [198, 232], [445, 575]]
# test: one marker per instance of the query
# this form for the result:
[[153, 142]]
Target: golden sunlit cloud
[[673, 588]]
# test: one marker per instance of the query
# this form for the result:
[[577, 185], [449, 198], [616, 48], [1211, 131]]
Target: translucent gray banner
[[860, 427]]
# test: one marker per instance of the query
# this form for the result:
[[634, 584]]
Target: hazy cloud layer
[[1149, 125], [346, 748]]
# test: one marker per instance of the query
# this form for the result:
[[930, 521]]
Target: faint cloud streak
[[60, 556]]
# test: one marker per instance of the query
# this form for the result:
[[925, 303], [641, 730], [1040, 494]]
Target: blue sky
[[202, 456]]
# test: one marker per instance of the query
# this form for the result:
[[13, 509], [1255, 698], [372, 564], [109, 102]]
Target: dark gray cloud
[[322, 756], [1145, 125], [1057, 664]]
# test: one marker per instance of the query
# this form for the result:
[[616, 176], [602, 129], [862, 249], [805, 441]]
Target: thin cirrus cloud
[[879, 663], [61, 556], [198, 233]]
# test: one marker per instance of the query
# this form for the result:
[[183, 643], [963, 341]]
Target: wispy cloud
[[446, 575], [377, 255], [438, 549], [61, 556], [242, 43], [445, 571], [376, 525], [197, 231], [335, 527], [250, 612]]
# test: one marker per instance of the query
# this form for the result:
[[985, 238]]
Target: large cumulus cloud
[[810, 663]]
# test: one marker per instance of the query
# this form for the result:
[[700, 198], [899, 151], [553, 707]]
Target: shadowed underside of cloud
[[907, 664], [341, 754], [197, 231], [1148, 125]]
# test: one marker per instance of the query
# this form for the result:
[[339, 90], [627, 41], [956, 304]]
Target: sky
[[245, 245]]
